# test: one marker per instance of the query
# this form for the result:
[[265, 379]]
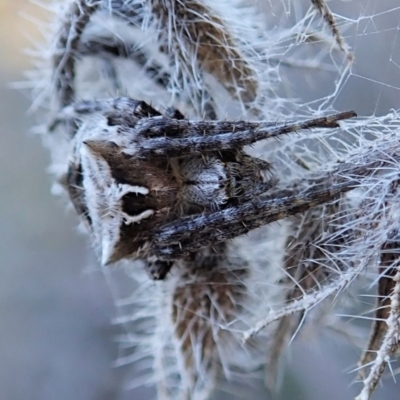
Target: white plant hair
[[204, 328]]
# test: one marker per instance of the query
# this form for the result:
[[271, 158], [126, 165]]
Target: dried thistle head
[[179, 189]]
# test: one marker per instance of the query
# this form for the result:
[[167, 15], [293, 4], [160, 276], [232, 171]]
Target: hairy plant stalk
[[329, 18], [389, 345], [306, 269], [71, 28]]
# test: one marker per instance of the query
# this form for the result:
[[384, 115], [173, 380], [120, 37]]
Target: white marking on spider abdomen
[[141, 190], [130, 219]]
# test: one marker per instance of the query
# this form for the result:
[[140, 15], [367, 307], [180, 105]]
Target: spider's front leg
[[189, 234], [144, 133], [168, 137]]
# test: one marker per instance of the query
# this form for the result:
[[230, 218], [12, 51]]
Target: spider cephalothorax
[[133, 171]]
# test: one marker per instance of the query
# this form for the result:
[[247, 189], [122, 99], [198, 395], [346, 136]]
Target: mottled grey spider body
[[159, 187]]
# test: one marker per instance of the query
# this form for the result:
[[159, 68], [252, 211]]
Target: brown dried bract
[[307, 269], [191, 32]]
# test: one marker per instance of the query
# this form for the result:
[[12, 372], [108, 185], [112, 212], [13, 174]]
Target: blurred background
[[56, 336]]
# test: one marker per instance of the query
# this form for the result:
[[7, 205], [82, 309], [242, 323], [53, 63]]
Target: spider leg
[[144, 133], [172, 138], [189, 234], [120, 110]]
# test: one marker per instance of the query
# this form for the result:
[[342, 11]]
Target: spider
[[159, 187]]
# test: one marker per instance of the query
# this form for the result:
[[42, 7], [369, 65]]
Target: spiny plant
[[175, 194]]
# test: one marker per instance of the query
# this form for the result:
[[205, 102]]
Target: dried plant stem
[[207, 297], [385, 288], [390, 343], [330, 20], [307, 268], [72, 26]]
